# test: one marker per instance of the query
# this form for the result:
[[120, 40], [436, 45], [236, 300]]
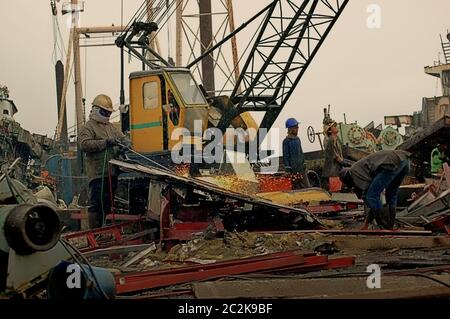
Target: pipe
[[28, 228], [66, 276], [64, 137]]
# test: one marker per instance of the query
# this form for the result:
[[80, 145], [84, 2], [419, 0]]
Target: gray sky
[[365, 73]]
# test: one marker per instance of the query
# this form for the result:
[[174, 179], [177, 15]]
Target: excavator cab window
[[188, 88], [151, 95]]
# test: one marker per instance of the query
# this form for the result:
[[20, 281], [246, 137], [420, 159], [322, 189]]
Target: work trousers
[[386, 180], [100, 199]]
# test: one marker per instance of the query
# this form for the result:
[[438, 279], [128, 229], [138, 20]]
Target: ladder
[[446, 49]]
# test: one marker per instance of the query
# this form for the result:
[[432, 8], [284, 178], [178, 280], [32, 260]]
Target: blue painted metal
[[60, 168], [93, 282]]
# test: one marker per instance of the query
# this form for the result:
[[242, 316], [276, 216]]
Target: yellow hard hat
[[103, 101], [328, 126]]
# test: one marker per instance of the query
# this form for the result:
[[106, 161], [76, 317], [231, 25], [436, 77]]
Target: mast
[[179, 33], [234, 49], [206, 39], [79, 110]]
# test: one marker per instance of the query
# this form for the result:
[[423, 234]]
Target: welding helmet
[[292, 123]]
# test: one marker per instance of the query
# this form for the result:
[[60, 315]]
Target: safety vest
[[436, 161]]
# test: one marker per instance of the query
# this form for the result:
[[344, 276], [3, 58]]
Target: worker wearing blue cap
[[293, 157]]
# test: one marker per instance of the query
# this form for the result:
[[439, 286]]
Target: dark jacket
[[333, 149], [92, 139], [293, 157], [364, 170]]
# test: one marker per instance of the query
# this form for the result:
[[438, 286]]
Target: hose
[[66, 244], [145, 157], [103, 187]]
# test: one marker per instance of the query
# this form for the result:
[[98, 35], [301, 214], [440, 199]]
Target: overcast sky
[[365, 73]]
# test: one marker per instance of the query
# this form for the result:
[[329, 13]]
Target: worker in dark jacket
[[293, 157], [99, 140], [334, 159], [384, 170]]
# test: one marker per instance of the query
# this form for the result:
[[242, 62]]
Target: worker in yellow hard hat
[[99, 140]]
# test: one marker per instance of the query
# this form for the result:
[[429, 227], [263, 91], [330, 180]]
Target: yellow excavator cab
[[162, 101]]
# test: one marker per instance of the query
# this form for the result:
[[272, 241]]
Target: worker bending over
[[99, 140], [384, 170], [293, 157]]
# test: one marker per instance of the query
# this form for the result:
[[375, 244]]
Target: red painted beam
[[126, 286], [115, 231], [186, 230], [139, 276], [324, 209], [341, 262], [123, 217], [316, 263], [102, 230], [311, 263], [275, 263]]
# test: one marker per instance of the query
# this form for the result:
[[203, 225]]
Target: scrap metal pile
[[431, 208], [208, 239]]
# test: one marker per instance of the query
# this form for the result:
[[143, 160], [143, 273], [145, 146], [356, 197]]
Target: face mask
[[99, 116], [105, 113]]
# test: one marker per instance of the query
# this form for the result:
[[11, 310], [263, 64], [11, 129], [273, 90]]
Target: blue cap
[[292, 123]]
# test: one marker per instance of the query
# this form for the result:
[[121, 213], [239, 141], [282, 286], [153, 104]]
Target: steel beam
[[125, 285], [206, 39], [96, 30]]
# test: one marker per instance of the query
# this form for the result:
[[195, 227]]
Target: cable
[[431, 278], [85, 71], [103, 186], [67, 244], [146, 158]]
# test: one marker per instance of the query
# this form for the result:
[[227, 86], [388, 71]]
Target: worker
[[368, 177], [333, 155], [99, 140], [174, 109], [438, 158], [293, 157]]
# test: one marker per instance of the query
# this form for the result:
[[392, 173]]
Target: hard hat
[[292, 123], [329, 125], [103, 101]]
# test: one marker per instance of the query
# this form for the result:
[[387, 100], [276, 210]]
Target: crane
[[289, 37]]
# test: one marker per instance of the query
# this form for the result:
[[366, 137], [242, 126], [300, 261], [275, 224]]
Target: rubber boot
[[392, 215], [382, 217], [369, 219], [95, 220]]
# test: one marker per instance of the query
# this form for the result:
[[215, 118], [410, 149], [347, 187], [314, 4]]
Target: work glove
[[111, 142]]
